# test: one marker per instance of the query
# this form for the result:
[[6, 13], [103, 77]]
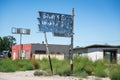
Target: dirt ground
[[28, 75]]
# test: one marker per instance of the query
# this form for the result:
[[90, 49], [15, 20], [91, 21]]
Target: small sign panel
[[62, 34], [20, 31]]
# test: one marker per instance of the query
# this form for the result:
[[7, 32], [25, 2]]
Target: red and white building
[[38, 51]]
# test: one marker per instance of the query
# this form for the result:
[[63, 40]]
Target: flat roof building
[[38, 51], [95, 52]]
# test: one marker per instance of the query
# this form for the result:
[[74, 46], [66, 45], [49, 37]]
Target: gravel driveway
[[28, 75]]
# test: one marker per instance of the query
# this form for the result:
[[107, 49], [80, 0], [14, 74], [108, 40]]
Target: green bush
[[114, 73], [40, 73], [83, 66], [35, 63], [99, 63], [44, 64], [28, 67], [22, 64], [100, 72], [89, 69], [7, 66], [100, 69], [61, 67], [63, 70], [80, 74], [78, 68]]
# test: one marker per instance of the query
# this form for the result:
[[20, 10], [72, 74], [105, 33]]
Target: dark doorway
[[110, 55]]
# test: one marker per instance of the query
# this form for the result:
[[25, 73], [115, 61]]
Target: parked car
[[4, 53], [1, 55]]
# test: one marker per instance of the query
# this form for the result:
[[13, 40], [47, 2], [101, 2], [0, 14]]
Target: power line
[[103, 41]]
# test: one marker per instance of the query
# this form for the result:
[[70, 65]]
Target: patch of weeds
[[100, 72], [35, 63], [40, 73], [6, 65], [29, 67], [115, 72]]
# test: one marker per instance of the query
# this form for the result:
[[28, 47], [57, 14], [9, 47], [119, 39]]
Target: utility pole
[[20, 52]]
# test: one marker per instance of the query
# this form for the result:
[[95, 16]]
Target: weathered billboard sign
[[59, 24]]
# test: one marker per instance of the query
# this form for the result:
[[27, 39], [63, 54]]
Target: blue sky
[[96, 21]]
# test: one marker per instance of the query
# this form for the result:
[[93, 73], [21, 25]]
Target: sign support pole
[[21, 45], [20, 31], [47, 49], [71, 53]]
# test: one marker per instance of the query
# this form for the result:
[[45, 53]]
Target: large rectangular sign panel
[[56, 23]]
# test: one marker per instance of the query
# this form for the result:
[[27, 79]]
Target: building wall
[[53, 49], [97, 53], [35, 47], [26, 49], [15, 49], [60, 49], [118, 56], [29, 49], [41, 56]]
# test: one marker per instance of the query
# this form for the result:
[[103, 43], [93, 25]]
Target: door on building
[[26, 54], [19, 54], [110, 55]]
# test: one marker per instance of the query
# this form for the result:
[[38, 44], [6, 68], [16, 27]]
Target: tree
[[6, 43], [12, 41], [1, 43]]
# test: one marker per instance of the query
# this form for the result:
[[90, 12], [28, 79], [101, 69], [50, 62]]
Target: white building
[[95, 52]]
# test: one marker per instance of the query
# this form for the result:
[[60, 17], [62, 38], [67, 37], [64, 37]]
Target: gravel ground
[[28, 75]]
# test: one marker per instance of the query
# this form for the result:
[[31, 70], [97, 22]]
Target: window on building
[[58, 53], [40, 52], [52, 52]]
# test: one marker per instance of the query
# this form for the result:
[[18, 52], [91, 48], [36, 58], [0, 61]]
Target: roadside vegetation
[[83, 67], [8, 65]]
